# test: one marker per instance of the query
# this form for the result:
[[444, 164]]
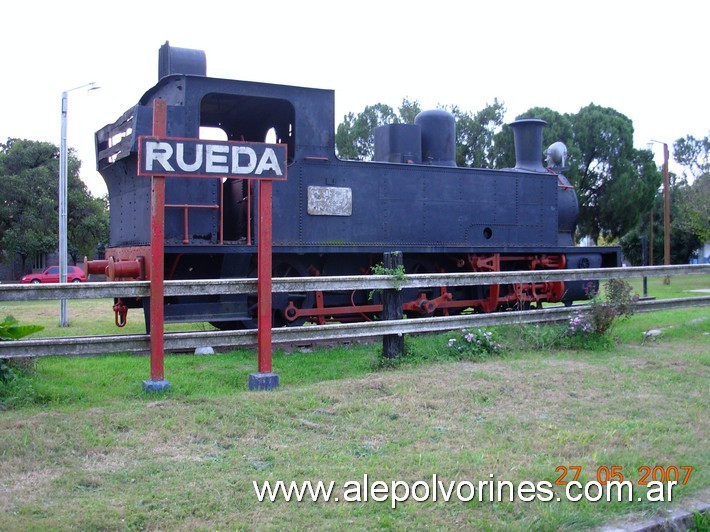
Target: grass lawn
[[681, 286], [87, 317], [82, 446]]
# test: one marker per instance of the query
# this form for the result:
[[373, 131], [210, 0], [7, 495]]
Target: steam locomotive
[[333, 216]]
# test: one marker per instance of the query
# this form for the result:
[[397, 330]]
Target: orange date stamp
[[615, 473]]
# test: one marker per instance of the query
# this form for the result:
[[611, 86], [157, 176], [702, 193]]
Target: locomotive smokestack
[[527, 133], [172, 60]]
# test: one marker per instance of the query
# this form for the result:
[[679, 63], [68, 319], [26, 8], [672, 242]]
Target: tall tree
[[608, 180], [694, 208], [694, 213], [683, 243], [694, 155], [87, 221], [615, 183], [408, 111], [475, 133], [355, 137], [28, 203]]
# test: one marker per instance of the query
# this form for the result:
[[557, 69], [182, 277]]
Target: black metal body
[[331, 216]]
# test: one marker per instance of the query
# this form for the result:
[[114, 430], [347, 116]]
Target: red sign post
[[157, 382], [265, 379], [160, 156]]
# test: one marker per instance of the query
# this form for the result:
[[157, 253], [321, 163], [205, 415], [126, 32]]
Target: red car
[[51, 275]]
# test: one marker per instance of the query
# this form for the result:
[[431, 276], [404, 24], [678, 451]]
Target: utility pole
[[666, 212]]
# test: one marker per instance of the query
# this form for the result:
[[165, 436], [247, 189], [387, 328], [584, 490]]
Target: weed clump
[[619, 303], [475, 344], [591, 328]]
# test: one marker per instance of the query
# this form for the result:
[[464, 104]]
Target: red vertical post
[[157, 261], [264, 379], [264, 283]]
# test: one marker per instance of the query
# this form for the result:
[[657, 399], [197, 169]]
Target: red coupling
[[121, 312], [125, 269], [94, 267]]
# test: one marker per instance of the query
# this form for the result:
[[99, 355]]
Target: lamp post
[[63, 165], [666, 211]]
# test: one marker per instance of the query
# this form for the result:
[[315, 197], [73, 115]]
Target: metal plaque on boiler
[[330, 201]]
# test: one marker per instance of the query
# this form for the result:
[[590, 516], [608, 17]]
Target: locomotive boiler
[[333, 216]]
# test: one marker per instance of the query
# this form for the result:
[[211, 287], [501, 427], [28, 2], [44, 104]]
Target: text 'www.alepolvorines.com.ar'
[[437, 490]]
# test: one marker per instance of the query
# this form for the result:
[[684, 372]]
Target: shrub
[[589, 328], [618, 303], [10, 329]]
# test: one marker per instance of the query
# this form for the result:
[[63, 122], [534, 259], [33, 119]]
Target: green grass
[[682, 286], [87, 317], [82, 446]]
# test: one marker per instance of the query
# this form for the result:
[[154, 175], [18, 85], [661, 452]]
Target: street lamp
[[666, 211], [63, 165]]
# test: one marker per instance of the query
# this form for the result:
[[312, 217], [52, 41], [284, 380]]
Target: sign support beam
[[265, 379], [157, 382]]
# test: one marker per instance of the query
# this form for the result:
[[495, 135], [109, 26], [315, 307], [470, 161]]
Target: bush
[[589, 329], [10, 329], [6, 373], [618, 303]]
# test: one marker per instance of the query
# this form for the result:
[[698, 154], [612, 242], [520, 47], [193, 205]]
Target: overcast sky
[[646, 59]]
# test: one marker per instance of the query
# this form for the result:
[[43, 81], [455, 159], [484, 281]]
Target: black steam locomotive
[[332, 216]]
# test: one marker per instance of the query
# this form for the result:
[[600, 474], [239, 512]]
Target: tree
[[409, 110], [27, 211], [693, 154], [684, 244], [88, 223], [28, 203], [616, 183], [355, 136], [475, 133], [694, 208], [694, 213]]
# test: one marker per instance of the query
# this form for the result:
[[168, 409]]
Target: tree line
[[29, 197], [618, 186]]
